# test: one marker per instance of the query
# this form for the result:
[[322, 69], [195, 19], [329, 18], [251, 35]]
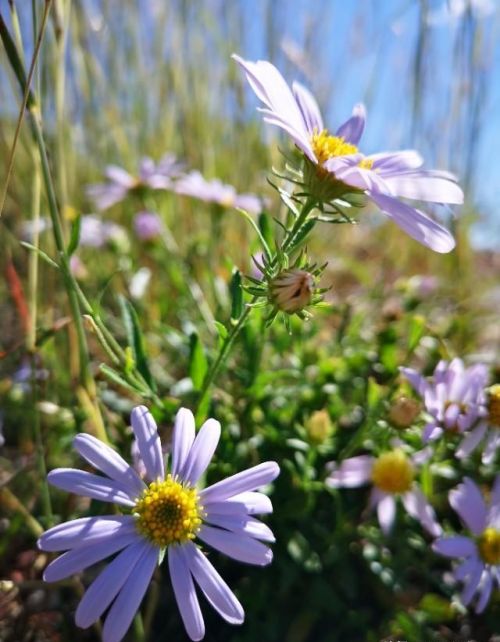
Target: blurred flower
[[120, 183], [392, 475], [422, 285], [148, 225], [319, 426], [334, 166], [481, 568], [30, 228], [487, 430], [167, 512], [455, 398], [26, 374], [95, 233], [214, 191], [77, 267], [139, 282]]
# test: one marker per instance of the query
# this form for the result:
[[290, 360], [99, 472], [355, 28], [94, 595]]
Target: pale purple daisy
[[480, 570], [166, 511], [455, 398], [120, 182], [148, 225], [196, 185], [392, 475], [94, 232], [334, 160]]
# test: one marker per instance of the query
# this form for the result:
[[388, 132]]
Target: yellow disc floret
[[326, 146], [489, 546], [393, 472], [494, 405], [168, 512]]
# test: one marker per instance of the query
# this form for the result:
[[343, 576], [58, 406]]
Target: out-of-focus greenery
[[123, 80]]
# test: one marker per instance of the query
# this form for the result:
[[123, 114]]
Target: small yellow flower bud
[[319, 427]]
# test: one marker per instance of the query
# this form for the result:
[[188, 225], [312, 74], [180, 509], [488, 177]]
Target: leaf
[[266, 229], [417, 330], [236, 292], [221, 329], [117, 378], [301, 234], [198, 365], [75, 236], [135, 340], [45, 257]]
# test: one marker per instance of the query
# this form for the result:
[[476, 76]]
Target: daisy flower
[[480, 569], [334, 165], [148, 225], [165, 512], [120, 183], [392, 475], [215, 191], [456, 399]]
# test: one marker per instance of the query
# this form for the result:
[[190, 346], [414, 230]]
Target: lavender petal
[[468, 502], [250, 503], [182, 439], [123, 610], [85, 531], [241, 524], [108, 584], [418, 507], [185, 594], [78, 559], [239, 547], [215, 589], [352, 129], [148, 441], [247, 480], [455, 546], [471, 584], [80, 482], [101, 456], [351, 473], [386, 512], [201, 452], [471, 441], [309, 108], [484, 592]]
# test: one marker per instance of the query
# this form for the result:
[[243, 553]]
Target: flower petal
[[78, 559], [243, 524], [201, 452], [390, 162], [85, 531], [101, 456], [484, 591], [108, 584], [250, 503], [425, 188], [386, 512], [418, 507], [215, 589], [182, 439], [471, 441], [271, 88], [185, 593], [491, 447], [239, 547], [247, 480], [472, 583], [148, 442], [417, 382], [311, 113], [351, 473], [455, 546], [415, 223], [493, 518], [80, 482], [352, 129], [468, 502], [125, 607]]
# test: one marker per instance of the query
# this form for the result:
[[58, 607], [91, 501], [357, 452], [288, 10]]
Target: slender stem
[[308, 206], [40, 452], [138, 628]]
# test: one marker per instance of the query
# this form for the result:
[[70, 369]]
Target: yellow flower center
[[326, 146], [168, 513], [494, 405], [393, 472], [489, 546]]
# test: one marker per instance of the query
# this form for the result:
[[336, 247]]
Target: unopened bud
[[319, 427], [292, 290], [404, 411], [494, 405]]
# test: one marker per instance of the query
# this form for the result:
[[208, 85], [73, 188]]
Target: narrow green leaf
[[236, 292], [198, 365], [115, 377], [302, 234], [135, 340], [417, 330], [45, 257], [266, 229], [75, 236]]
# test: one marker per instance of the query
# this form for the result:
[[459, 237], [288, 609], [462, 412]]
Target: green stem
[[40, 453]]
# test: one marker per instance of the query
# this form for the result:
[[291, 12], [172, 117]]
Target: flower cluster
[[164, 511]]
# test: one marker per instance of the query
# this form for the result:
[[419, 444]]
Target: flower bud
[[292, 290], [319, 427], [494, 405], [404, 411]]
